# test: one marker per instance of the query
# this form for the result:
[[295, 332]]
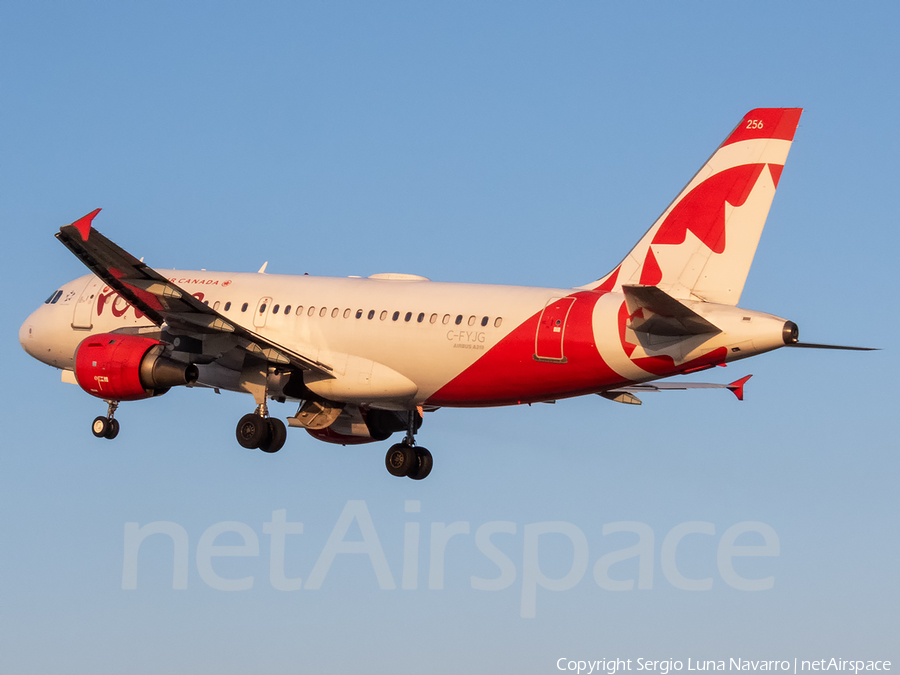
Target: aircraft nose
[[27, 334]]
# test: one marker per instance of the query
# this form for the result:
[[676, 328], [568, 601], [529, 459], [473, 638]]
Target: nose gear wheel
[[106, 427]]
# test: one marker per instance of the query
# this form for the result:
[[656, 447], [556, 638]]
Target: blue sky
[[525, 143]]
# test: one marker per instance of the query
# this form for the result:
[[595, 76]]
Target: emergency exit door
[[262, 312]]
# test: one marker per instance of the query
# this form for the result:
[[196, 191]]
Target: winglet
[[83, 224], [738, 387]]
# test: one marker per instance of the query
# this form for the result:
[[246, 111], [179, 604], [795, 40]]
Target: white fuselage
[[401, 342]]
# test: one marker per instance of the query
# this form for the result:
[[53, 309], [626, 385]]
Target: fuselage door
[[262, 311], [548, 343], [84, 306]]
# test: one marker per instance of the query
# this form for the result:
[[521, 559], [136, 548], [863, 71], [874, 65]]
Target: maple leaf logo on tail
[[702, 246]]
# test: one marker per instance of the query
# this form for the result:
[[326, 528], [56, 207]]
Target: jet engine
[[128, 367], [355, 425], [330, 436]]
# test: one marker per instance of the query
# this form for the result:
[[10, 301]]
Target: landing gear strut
[[407, 459], [107, 427], [258, 430]]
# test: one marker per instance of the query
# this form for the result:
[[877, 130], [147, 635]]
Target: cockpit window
[[54, 298]]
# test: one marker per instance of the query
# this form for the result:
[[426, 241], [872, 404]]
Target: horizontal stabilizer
[[812, 345], [656, 312], [736, 387]]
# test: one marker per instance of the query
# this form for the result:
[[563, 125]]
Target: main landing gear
[[407, 459], [258, 430], [107, 427]]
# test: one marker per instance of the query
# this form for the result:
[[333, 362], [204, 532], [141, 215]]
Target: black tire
[[100, 427], [276, 437], [423, 465], [400, 459], [251, 431], [113, 429]]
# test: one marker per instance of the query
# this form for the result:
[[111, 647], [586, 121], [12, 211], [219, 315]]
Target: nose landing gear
[[407, 459], [107, 427], [258, 430]]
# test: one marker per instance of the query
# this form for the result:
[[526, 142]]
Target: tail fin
[[702, 246]]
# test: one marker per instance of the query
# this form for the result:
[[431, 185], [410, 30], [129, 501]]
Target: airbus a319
[[364, 358]]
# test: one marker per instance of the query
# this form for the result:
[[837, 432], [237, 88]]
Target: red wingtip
[[83, 225], [738, 387]]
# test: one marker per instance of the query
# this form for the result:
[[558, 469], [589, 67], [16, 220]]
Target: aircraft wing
[[627, 394], [165, 302]]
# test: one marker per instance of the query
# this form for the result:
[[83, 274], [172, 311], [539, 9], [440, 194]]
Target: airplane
[[365, 358]]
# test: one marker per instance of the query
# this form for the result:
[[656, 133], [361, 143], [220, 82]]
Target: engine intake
[[128, 367]]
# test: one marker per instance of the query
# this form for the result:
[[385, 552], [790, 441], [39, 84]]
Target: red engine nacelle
[[330, 436], [128, 367], [378, 426]]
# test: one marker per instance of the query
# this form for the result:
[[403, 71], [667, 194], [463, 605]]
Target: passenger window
[[497, 322], [335, 312], [383, 314], [323, 311], [458, 319], [287, 309], [227, 306], [371, 314], [472, 320], [433, 318], [421, 317], [216, 305], [299, 310], [244, 307], [311, 312], [346, 313], [262, 308], [408, 316], [275, 309], [446, 319], [484, 321], [359, 314], [395, 316]]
